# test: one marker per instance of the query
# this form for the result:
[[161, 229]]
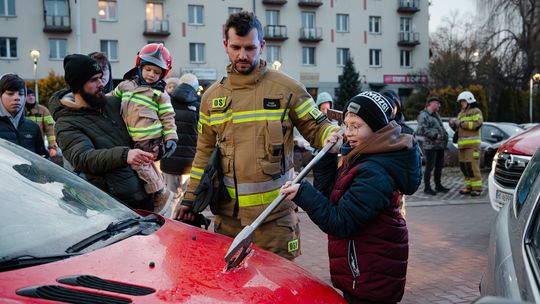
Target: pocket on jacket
[[227, 153]]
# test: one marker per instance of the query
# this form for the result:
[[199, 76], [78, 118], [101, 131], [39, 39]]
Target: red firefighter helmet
[[156, 54]]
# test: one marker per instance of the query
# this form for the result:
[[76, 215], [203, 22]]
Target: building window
[[374, 24], [375, 58], [56, 8], [342, 56], [342, 23], [7, 7], [405, 59], [405, 24], [196, 53], [234, 10], [110, 48], [272, 17], [308, 19], [107, 10], [196, 14], [308, 56], [273, 53], [57, 48], [8, 47]]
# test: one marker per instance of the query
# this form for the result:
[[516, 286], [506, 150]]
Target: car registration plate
[[503, 197]]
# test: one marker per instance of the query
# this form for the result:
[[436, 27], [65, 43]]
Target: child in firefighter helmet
[[149, 116]]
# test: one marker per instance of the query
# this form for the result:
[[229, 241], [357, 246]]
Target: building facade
[[308, 39]]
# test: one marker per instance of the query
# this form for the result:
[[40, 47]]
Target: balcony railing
[[310, 3], [310, 34], [57, 24], [409, 38], [408, 6], [275, 32], [274, 2], [156, 27]]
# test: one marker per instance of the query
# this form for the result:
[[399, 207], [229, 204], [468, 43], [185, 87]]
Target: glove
[[169, 148]]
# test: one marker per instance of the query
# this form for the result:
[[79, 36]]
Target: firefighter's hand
[[139, 157], [169, 148], [52, 151], [289, 190], [183, 213], [334, 137]]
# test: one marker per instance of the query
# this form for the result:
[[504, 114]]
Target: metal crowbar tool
[[240, 246]]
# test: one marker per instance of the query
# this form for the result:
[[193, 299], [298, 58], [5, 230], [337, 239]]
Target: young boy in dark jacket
[[367, 235]]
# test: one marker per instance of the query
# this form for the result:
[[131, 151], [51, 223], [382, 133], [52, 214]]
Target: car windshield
[[46, 209], [511, 130]]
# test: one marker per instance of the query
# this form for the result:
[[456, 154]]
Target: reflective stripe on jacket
[[242, 113], [147, 112], [469, 123], [41, 115]]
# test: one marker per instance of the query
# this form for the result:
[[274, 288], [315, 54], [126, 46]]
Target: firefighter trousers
[[469, 163], [280, 236]]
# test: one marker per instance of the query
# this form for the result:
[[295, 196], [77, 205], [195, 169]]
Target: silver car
[[513, 269]]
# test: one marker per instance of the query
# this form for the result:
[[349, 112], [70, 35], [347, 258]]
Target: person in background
[[172, 83], [42, 117], [149, 116], [242, 116], [177, 167], [358, 205], [324, 102], [399, 117], [103, 61], [468, 124], [93, 136], [14, 127], [435, 136]]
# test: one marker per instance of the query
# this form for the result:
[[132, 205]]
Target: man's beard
[[245, 71], [96, 100]]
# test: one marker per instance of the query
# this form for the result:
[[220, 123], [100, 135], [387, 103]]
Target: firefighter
[[41, 115], [467, 125], [243, 115]]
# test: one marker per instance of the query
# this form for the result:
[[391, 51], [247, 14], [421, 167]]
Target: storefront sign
[[405, 79]]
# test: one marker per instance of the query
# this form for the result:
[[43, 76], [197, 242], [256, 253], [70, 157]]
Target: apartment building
[[308, 39]]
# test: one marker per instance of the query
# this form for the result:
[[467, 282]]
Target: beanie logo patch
[[383, 104]]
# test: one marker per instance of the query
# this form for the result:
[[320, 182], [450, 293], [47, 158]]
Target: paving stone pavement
[[448, 238]]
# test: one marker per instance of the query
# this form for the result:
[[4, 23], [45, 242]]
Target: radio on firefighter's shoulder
[[336, 115]]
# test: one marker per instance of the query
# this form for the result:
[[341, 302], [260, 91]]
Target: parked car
[[65, 241], [493, 134], [527, 126], [513, 269], [508, 165]]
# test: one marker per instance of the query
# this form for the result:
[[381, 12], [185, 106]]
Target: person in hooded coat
[[359, 207]]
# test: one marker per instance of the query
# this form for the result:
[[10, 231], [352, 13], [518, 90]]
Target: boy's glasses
[[352, 128]]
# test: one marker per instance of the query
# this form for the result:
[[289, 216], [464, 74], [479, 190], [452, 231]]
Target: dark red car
[[63, 240]]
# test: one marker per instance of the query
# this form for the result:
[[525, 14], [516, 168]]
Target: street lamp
[[35, 56], [535, 78], [276, 65]]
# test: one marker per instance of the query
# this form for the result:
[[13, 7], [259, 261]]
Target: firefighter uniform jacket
[[41, 115], [147, 112], [242, 114], [469, 123]]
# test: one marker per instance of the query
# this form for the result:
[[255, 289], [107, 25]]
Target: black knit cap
[[78, 69], [375, 109]]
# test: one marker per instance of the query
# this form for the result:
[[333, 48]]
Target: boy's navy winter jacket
[[27, 134], [359, 210]]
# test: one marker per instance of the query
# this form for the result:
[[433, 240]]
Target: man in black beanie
[[92, 134]]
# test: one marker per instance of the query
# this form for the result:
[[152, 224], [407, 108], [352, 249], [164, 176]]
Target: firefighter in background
[[41, 115], [467, 125]]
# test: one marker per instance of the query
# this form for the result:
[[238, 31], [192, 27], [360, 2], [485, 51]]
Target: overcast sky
[[439, 9]]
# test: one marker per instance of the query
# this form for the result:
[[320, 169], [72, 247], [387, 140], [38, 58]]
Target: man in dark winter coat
[[176, 168], [14, 127], [368, 237], [93, 136]]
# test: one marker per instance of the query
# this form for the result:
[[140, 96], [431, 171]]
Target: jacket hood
[[396, 152], [63, 101], [184, 93], [15, 119]]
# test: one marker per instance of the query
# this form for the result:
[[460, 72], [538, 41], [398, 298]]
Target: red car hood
[[524, 143], [183, 264]]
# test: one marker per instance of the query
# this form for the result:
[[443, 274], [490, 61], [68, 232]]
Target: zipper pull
[[354, 283]]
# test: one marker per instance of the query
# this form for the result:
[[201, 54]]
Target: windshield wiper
[[10, 263], [112, 229]]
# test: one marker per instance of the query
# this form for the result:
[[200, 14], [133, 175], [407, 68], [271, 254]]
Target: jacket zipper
[[353, 263]]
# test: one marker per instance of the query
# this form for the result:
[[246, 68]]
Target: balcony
[[409, 38], [310, 3], [310, 34], [156, 28], [275, 33], [408, 6], [57, 24], [274, 2]]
